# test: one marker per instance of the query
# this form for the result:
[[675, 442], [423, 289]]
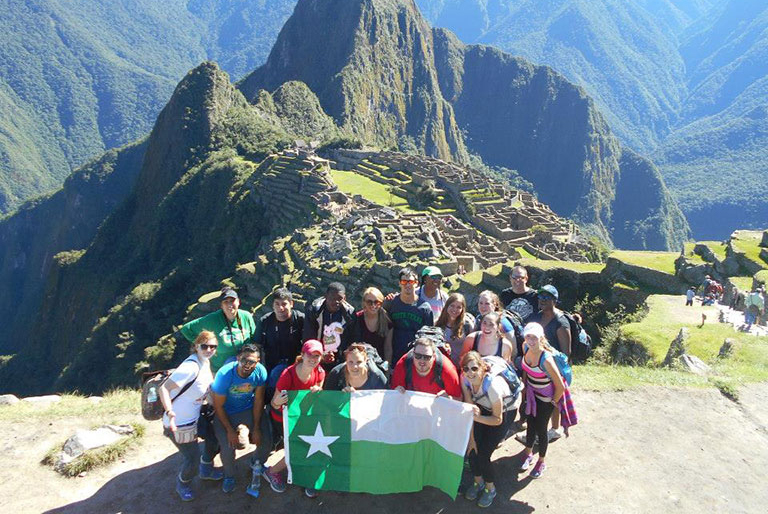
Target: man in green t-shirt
[[233, 328]]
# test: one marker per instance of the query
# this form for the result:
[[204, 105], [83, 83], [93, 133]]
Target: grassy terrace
[[747, 242], [581, 267], [667, 315], [660, 261], [717, 247], [743, 283], [355, 184]]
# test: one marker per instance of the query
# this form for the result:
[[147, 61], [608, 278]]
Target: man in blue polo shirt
[[238, 399]]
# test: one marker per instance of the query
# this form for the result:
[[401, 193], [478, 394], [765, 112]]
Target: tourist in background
[[233, 328], [456, 323], [486, 393], [182, 396], [372, 324]]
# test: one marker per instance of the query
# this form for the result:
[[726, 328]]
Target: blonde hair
[[383, 322]]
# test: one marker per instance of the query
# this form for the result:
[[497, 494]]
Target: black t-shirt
[[281, 340], [550, 330], [524, 304], [406, 319]]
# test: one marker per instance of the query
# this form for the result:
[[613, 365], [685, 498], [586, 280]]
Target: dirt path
[[646, 450]]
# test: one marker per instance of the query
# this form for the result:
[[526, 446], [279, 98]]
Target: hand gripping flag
[[375, 441]]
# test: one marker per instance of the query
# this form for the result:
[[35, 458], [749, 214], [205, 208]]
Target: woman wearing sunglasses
[[372, 324], [182, 396], [486, 393]]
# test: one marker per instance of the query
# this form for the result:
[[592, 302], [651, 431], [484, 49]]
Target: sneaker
[[276, 481], [538, 469], [554, 434], [486, 498], [208, 472], [184, 490], [526, 462], [228, 485], [311, 493], [473, 492]]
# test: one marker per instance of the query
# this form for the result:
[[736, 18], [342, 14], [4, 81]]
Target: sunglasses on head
[[406, 282], [473, 369], [421, 356], [206, 346]]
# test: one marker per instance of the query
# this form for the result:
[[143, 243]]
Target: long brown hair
[[444, 319]]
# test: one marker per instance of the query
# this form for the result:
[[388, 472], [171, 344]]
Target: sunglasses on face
[[473, 369], [370, 302], [421, 356], [248, 363], [206, 346], [436, 277], [406, 282], [546, 298], [518, 277]]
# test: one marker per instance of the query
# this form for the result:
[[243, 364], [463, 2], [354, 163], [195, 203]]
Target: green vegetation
[[743, 283], [581, 267], [747, 243], [608, 377], [660, 261], [356, 184], [96, 457], [717, 247], [115, 404], [667, 314]]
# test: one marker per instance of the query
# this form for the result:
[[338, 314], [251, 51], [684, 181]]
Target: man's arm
[[258, 410]]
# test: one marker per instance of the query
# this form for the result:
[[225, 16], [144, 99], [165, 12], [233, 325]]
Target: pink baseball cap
[[312, 346]]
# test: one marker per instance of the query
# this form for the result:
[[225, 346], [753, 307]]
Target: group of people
[[244, 368]]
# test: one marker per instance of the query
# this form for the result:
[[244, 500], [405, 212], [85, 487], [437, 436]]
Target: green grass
[[743, 283], [762, 276], [660, 261], [747, 243], [602, 377], [120, 402], [96, 457], [581, 267], [353, 183], [667, 314], [717, 247], [692, 257]]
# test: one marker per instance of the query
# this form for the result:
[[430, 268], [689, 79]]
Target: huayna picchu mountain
[[388, 78]]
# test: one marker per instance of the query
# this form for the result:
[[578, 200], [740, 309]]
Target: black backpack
[[434, 334], [151, 406], [581, 343]]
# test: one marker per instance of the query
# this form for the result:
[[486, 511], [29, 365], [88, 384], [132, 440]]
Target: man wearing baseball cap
[[233, 328], [556, 326], [430, 292]]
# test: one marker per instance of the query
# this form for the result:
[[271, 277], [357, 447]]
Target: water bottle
[[253, 489], [152, 395]]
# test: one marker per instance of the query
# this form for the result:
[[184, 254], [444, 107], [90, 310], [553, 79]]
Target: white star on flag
[[319, 442]]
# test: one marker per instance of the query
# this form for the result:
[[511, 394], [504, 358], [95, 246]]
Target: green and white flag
[[375, 441]]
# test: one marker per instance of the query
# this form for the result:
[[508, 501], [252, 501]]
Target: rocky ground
[[651, 449]]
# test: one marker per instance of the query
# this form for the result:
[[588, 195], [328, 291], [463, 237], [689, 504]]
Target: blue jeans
[[190, 453], [749, 317]]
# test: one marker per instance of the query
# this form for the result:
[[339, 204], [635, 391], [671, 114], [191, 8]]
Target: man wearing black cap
[[556, 327], [233, 328]]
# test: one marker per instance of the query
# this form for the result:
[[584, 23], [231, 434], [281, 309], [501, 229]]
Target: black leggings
[[537, 426], [487, 439]]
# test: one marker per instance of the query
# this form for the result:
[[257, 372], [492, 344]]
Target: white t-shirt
[[436, 303], [498, 389], [187, 406]]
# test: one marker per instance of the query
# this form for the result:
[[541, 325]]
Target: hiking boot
[[554, 434], [311, 493], [527, 461], [473, 491], [208, 472], [486, 498], [276, 481], [184, 490], [228, 485], [538, 469]]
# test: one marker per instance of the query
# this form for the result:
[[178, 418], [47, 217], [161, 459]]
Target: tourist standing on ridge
[[486, 393], [306, 373], [456, 323], [372, 324], [520, 298], [407, 314], [233, 328], [543, 389], [429, 291], [328, 320], [689, 296], [425, 369], [238, 399], [279, 333], [489, 340], [182, 409]]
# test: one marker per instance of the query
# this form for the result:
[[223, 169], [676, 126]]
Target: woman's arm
[[469, 341], [165, 399], [508, 350], [564, 337]]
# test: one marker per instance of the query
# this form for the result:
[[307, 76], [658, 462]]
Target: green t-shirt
[[231, 336]]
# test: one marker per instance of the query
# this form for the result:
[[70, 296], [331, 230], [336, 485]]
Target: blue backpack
[[563, 366]]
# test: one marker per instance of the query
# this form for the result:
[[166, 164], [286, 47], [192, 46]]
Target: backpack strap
[[437, 369], [188, 384], [409, 370], [476, 344]]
